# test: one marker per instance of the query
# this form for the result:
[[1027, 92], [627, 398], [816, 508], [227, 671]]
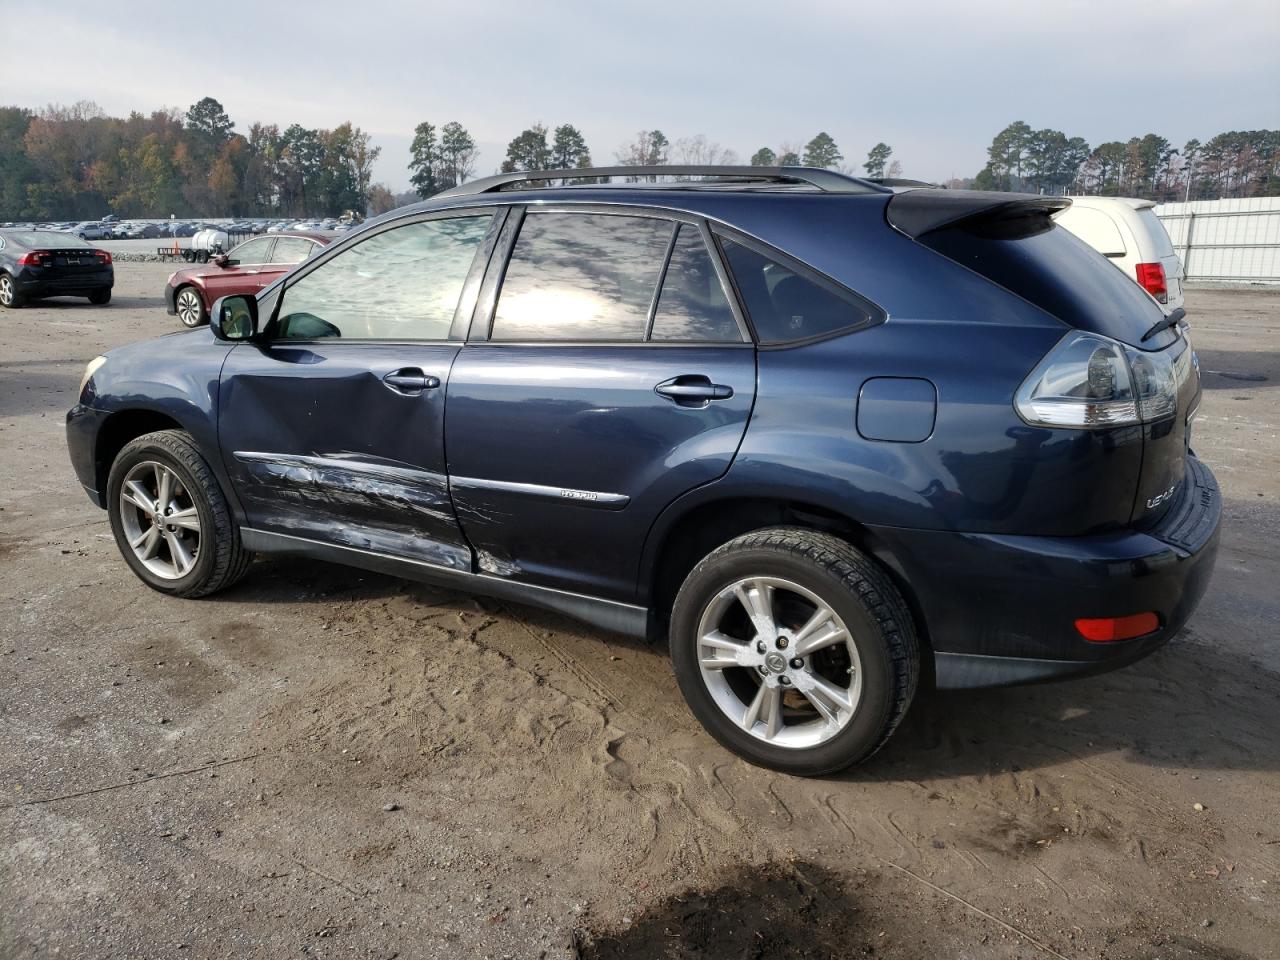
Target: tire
[[801, 572], [190, 308], [217, 556], [100, 298], [10, 298]]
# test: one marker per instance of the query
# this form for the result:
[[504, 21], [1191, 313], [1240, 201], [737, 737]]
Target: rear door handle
[[693, 390], [410, 380]]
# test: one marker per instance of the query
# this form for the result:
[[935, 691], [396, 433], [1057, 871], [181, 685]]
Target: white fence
[[1232, 241]]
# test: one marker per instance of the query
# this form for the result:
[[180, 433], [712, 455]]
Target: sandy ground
[[210, 778]]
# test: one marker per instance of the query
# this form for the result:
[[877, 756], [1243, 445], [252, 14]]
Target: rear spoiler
[[917, 212]]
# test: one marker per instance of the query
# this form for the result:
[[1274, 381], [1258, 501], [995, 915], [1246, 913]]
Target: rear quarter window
[[1159, 235], [786, 303]]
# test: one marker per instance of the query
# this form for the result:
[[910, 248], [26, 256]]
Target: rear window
[[1159, 235], [45, 238], [1055, 270]]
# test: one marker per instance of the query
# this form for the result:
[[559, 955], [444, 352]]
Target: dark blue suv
[[823, 437]]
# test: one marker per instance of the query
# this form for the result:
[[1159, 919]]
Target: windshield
[[44, 238]]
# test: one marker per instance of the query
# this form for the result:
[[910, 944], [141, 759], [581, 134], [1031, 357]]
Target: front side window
[[252, 251], [785, 305], [291, 250], [577, 276], [400, 284], [693, 305]]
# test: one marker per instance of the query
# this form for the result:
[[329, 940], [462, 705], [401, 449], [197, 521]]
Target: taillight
[[1091, 381], [33, 259], [1151, 279], [1111, 629], [103, 257]]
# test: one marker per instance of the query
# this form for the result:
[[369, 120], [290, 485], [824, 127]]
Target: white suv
[[1129, 234]]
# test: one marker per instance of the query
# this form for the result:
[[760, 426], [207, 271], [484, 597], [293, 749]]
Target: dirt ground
[[328, 763]]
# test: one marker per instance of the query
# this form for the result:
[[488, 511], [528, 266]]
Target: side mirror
[[222, 260], [234, 318]]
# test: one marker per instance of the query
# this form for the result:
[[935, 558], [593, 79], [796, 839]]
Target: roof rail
[[827, 181]]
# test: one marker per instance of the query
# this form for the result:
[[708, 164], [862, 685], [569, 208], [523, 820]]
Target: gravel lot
[[329, 763]]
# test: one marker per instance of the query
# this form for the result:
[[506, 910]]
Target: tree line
[[1240, 163], [74, 163]]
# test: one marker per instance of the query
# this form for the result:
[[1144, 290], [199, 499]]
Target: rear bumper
[[38, 283], [1002, 610]]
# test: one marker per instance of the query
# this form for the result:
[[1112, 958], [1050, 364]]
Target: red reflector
[[1151, 279], [1109, 629]]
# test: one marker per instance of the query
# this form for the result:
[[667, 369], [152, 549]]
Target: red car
[[248, 268]]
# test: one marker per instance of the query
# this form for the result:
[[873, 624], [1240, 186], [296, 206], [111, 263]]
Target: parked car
[[92, 230], [246, 268], [1128, 233], [821, 437], [44, 263]]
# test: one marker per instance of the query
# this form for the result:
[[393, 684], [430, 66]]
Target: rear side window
[[575, 276], [786, 306], [693, 305]]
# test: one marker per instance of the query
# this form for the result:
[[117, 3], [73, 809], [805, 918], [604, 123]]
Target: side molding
[[606, 614]]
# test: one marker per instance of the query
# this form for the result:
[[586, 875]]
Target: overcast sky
[[935, 79]]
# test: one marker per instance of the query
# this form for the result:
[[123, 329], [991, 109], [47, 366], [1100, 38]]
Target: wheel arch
[[689, 530], [121, 428]]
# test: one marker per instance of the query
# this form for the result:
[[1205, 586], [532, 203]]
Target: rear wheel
[[100, 297], [9, 295], [794, 650], [190, 307], [170, 518]]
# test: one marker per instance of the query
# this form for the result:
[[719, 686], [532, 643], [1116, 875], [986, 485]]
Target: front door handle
[[410, 380], [693, 390]]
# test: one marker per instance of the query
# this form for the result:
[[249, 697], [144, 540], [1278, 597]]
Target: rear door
[[607, 373], [332, 427]]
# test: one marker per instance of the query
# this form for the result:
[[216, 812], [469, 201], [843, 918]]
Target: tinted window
[[401, 284], [692, 305], [42, 238], [785, 306], [251, 251], [291, 250], [1055, 270], [581, 277]]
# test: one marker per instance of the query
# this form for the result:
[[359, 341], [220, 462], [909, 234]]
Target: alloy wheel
[[779, 662], [6, 291], [160, 520], [189, 307]]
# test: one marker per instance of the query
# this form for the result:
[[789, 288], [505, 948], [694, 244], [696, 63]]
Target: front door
[[615, 377], [242, 276], [332, 426]]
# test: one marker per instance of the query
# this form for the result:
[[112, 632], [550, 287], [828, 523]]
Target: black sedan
[[42, 263]]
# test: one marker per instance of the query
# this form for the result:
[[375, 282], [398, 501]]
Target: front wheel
[[170, 519], [9, 295], [190, 307], [794, 650]]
